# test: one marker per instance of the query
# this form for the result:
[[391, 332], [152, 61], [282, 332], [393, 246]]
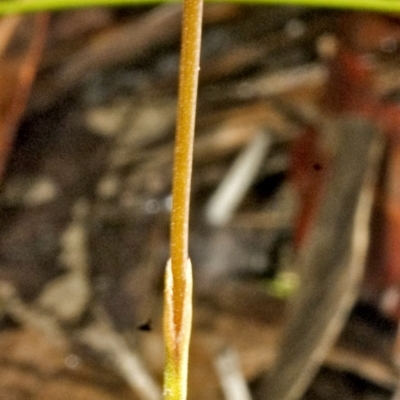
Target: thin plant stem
[[183, 155], [18, 6], [178, 278]]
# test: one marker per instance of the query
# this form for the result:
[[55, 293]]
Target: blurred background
[[294, 215]]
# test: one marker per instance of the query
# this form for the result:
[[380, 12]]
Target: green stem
[[17, 6]]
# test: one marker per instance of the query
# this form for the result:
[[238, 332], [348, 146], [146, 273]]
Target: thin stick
[[233, 382], [231, 191]]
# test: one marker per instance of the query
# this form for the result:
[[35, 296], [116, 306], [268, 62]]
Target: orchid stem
[[178, 281]]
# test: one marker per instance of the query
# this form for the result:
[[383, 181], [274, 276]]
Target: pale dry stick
[[102, 337], [225, 200], [232, 380], [283, 81], [178, 278]]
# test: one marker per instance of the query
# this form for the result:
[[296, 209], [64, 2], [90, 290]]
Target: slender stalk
[[188, 81], [18, 6], [178, 278]]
